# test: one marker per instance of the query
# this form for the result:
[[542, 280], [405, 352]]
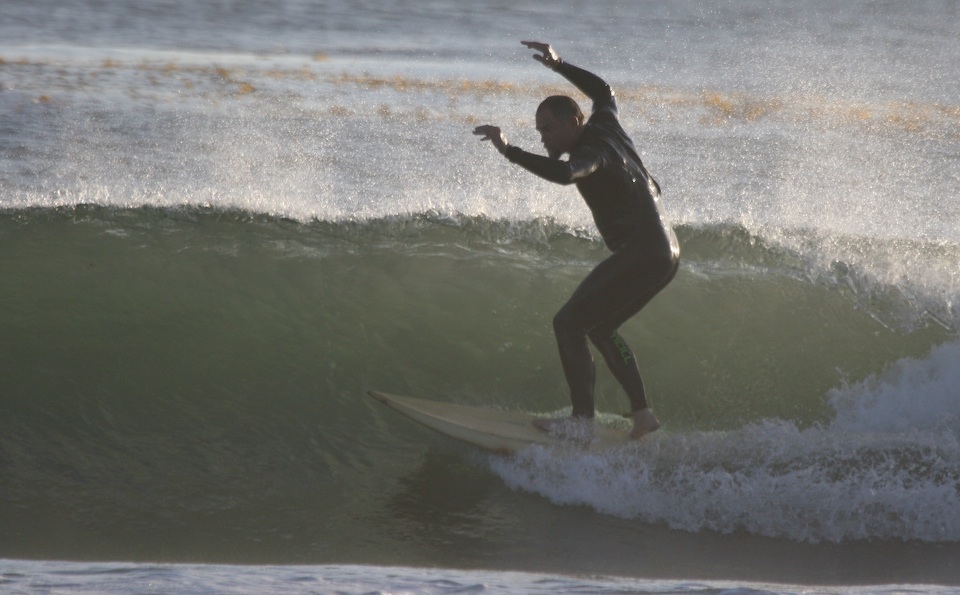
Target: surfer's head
[[560, 122]]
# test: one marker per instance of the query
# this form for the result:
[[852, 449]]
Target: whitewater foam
[[912, 395], [886, 467]]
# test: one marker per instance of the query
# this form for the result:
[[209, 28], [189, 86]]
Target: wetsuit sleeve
[[583, 162], [590, 84]]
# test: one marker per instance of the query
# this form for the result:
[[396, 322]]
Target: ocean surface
[[223, 221]]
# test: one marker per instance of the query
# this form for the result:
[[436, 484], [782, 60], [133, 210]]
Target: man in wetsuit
[[626, 207]]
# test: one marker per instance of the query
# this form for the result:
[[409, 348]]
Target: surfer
[[625, 202]]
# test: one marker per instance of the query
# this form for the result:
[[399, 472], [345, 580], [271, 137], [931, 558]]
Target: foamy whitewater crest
[[913, 395], [874, 473]]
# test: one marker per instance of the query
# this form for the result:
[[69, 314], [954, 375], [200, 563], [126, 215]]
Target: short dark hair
[[561, 107]]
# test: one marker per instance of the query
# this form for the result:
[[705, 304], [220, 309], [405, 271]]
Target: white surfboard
[[491, 429]]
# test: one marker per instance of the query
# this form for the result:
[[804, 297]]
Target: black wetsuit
[[626, 207]]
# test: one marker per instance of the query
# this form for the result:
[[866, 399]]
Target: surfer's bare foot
[[644, 422], [577, 429]]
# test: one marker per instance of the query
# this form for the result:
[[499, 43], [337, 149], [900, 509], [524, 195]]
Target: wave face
[[177, 371]]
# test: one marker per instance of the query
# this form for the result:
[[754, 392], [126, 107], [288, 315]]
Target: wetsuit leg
[[612, 293]]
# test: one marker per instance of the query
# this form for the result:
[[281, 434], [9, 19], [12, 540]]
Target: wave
[[182, 366], [745, 318]]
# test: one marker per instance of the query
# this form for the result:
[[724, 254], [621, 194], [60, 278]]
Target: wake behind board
[[491, 429]]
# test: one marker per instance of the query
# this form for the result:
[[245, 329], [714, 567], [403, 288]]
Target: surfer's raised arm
[[592, 85]]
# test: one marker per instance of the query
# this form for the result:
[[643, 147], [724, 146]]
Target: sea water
[[221, 223]]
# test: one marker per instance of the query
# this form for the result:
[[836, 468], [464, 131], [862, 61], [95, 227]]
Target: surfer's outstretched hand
[[549, 57], [492, 134]]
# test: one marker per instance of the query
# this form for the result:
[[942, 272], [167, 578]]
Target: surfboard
[[495, 430]]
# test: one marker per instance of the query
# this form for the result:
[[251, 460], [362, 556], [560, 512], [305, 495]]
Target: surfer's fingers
[[487, 131], [549, 57]]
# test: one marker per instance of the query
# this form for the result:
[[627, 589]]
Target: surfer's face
[[558, 135]]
